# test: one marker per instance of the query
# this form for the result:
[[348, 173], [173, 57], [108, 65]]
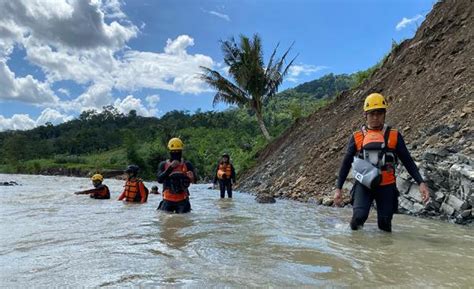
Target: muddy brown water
[[52, 238]]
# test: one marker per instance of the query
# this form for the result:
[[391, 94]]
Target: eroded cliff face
[[428, 81]]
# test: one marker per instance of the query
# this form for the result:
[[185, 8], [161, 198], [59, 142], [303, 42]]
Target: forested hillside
[[110, 140]]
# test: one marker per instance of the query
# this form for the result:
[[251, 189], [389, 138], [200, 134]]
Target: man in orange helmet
[[373, 152]]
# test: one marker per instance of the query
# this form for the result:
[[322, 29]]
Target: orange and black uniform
[[134, 191], [386, 195], [101, 192], [225, 174], [175, 200]]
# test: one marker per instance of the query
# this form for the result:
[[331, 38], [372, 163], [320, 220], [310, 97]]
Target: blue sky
[[58, 58]]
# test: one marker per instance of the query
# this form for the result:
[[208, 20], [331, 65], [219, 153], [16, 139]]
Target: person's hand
[[425, 192], [174, 164], [338, 197]]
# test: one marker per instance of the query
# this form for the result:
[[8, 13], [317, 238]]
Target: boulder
[[265, 199]]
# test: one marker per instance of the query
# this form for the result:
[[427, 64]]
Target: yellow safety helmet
[[175, 144], [97, 177], [374, 101]]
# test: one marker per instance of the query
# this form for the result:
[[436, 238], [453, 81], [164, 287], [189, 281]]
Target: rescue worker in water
[[225, 175], [100, 191], [134, 189], [176, 175], [373, 152]]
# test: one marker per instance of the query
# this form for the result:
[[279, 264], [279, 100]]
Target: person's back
[[176, 175], [134, 189]]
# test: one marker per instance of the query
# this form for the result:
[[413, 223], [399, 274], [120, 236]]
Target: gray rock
[[456, 203], [405, 204], [447, 209], [414, 193], [265, 199], [466, 214], [327, 201], [403, 185], [439, 197], [417, 208]]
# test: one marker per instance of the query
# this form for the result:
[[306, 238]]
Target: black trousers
[[180, 207], [225, 185], [386, 199]]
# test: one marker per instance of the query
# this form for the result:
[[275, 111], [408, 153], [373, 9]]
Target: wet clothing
[[385, 195], [225, 175], [175, 186], [180, 207], [386, 200], [134, 191], [100, 192], [225, 185]]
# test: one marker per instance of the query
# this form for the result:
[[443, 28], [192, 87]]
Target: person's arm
[[407, 161], [122, 196], [344, 170], [141, 189], [162, 174], [191, 168], [404, 155], [232, 172]]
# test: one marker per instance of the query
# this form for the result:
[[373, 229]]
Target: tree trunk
[[263, 127]]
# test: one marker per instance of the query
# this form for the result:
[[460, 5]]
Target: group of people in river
[[176, 175], [373, 153]]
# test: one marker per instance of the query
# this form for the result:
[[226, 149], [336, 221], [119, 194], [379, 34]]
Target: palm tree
[[251, 83]]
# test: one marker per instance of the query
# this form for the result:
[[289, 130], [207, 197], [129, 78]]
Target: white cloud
[[407, 21], [220, 15], [24, 89], [179, 45], [302, 69], [79, 41], [25, 122], [131, 103], [16, 122], [53, 116], [174, 70], [64, 91], [74, 24], [152, 100], [95, 97]]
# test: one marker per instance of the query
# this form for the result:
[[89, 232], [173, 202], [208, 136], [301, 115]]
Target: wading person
[[373, 152], [176, 175], [100, 191], [225, 175], [134, 189]]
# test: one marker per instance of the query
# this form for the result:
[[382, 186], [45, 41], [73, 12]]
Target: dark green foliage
[[111, 140]]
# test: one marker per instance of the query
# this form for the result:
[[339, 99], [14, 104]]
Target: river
[[53, 238]]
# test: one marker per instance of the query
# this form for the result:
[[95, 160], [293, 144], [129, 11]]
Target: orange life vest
[[134, 190], [101, 193], [367, 139], [168, 194], [224, 171]]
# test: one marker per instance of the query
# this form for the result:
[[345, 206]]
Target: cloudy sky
[[61, 57]]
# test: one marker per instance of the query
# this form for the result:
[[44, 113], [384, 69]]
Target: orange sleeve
[[122, 195]]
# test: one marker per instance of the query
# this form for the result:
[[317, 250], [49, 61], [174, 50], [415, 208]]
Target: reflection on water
[[52, 238]]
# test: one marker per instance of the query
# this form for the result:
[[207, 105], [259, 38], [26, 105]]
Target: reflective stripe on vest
[[224, 169], [167, 194], [388, 174]]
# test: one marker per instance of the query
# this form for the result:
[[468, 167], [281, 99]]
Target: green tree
[[251, 83]]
